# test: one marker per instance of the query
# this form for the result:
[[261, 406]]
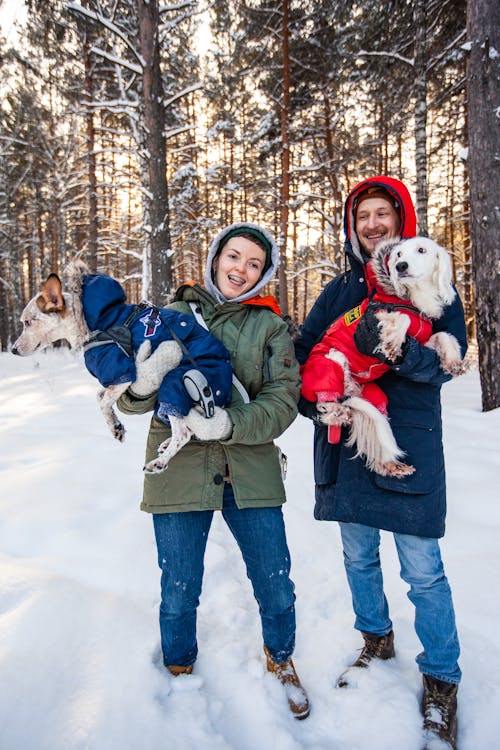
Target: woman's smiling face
[[238, 267]]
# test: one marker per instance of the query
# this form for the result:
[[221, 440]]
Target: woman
[[232, 464], [413, 508]]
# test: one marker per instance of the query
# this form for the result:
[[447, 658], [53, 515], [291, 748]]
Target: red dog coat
[[323, 377]]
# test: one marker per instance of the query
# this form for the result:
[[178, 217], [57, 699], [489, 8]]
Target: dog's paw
[[447, 348], [396, 469], [119, 432], [334, 414], [454, 368], [393, 329], [163, 447], [156, 466]]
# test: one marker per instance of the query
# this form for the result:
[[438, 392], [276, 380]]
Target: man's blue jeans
[[181, 539], [422, 569]]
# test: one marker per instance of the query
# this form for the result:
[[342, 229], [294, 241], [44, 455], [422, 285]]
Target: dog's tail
[[370, 432]]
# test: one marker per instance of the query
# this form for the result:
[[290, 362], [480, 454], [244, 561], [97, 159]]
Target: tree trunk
[[285, 164], [88, 97], [483, 74], [420, 24], [155, 144]]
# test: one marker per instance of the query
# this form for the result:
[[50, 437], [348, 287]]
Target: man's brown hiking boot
[[439, 709], [376, 647], [295, 693], [176, 671]]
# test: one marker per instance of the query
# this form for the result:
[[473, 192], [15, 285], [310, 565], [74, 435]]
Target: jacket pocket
[[418, 434]]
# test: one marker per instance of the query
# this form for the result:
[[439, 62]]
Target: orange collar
[[269, 301]]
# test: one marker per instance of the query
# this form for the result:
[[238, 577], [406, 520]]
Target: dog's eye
[[27, 323], [421, 250]]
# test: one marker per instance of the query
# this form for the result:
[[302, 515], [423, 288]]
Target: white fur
[[56, 314], [373, 437], [393, 327], [420, 271], [427, 278]]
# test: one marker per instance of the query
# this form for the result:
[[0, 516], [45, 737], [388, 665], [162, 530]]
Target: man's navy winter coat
[[104, 306], [345, 489]]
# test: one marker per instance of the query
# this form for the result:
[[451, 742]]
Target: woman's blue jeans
[[181, 539], [422, 569]]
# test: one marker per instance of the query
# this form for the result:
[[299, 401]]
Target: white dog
[[56, 314], [411, 284]]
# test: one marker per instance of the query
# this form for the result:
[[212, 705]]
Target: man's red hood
[[399, 192]]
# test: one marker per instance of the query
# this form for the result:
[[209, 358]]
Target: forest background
[[131, 132]]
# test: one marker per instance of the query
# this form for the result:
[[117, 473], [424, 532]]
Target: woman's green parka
[[263, 359]]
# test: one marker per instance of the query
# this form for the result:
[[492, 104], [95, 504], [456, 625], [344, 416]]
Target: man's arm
[[417, 362]]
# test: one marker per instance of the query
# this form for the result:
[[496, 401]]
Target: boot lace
[[373, 649], [437, 709]]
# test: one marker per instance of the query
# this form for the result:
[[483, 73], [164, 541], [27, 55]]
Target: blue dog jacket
[[104, 307]]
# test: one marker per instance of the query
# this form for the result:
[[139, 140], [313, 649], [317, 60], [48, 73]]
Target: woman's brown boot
[[295, 693]]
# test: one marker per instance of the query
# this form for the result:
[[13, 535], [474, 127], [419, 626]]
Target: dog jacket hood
[[406, 211], [102, 298], [104, 306]]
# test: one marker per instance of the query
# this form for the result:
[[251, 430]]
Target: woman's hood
[[267, 276], [405, 207]]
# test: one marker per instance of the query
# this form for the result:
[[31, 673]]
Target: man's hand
[[218, 427], [150, 370], [367, 334], [368, 338]]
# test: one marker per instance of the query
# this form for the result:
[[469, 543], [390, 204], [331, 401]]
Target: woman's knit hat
[[253, 232]]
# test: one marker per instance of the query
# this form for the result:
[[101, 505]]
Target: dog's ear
[[51, 298], [444, 276]]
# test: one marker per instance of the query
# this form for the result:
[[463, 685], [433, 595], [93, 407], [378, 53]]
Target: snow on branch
[[177, 131], [451, 46], [108, 25], [176, 6], [326, 267], [117, 60], [180, 94], [133, 254], [117, 105], [394, 55]]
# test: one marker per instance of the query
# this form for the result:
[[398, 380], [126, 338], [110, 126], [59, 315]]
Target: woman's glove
[[150, 370], [218, 427]]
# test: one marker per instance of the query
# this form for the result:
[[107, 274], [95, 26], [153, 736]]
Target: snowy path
[[79, 594]]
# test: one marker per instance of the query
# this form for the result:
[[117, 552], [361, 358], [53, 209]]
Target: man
[[412, 508]]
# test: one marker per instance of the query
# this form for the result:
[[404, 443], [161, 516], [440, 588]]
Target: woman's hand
[[218, 427], [150, 370]]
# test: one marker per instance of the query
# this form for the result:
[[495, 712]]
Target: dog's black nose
[[14, 350], [402, 266]]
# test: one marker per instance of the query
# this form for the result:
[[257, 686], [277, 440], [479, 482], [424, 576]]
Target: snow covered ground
[[79, 591]]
